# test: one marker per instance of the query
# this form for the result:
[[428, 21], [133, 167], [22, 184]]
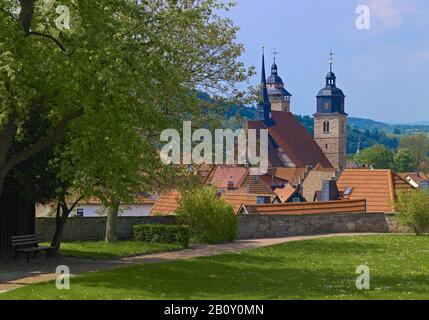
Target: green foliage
[[107, 87], [210, 219], [412, 210], [403, 161], [378, 156], [418, 145], [162, 234]]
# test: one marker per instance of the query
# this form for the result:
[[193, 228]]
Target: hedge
[[162, 234]]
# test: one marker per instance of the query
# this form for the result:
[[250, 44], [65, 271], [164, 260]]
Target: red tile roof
[[166, 204], [378, 187], [293, 139], [284, 194], [222, 175], [292, 175], [169, 201], [306, 208]]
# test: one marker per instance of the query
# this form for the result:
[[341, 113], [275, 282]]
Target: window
[[263, 200], [80, 213], [326, 128]]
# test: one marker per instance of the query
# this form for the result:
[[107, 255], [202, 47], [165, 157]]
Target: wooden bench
[[28, 244]]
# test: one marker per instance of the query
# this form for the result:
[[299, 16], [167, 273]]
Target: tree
[[107, 87], [378, 156], [419, 148], [403, 161], [413, 210]]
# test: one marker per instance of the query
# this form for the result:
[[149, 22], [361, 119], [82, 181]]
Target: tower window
[[326, 128]]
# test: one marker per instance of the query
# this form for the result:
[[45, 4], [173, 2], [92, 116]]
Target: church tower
[[278, 95], [330, 121], [264, 105]]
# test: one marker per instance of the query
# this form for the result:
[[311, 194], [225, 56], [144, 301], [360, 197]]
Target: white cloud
[[391, 13], [387, 12]]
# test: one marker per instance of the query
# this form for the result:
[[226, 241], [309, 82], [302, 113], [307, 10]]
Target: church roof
[[292, 138]]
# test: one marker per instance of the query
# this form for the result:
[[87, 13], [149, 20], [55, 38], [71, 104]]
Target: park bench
[[28, 244]]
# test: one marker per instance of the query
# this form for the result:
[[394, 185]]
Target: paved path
[[16, 274]]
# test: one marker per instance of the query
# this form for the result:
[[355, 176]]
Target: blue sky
[[383, 71]]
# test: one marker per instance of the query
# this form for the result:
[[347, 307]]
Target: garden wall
[[250, 227], [275, 226], [82, 229]]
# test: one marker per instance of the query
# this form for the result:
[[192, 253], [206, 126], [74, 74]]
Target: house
[[416, 179], [313, 182], [329, 207], [168, 202], [288, 194], [378, 187], [238, 180], [93, 207]]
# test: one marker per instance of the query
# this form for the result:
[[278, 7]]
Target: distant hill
[[397, 129]]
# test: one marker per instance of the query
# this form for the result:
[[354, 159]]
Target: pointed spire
[[263, 75], [264, 90], [264, 105], [359, 146]]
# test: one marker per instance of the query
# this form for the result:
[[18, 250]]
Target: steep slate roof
[[289, 136], [305, 208], [284, 194], [378, 187]]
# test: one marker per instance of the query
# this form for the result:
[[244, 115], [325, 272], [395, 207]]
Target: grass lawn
[[99, 250], [312, 269]]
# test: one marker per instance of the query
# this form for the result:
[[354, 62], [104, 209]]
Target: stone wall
[[275, 226], [250, 226], [82, 229]]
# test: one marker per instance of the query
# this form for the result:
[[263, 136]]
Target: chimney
[[231, 185]]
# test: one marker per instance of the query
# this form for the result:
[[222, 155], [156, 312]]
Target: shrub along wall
[[249, 227]]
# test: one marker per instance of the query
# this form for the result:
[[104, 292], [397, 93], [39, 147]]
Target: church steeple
[[330, 121], [264, 105], [278, 95]]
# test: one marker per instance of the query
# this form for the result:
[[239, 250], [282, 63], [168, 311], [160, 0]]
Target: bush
[[209, 218], [412, 210], [162, 234]]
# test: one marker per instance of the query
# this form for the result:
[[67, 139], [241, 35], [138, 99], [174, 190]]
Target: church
[[290, 144]]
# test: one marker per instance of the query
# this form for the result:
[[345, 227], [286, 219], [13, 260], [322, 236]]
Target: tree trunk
[[2, 178], [58, 236], [63, 213], [112, 217]]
